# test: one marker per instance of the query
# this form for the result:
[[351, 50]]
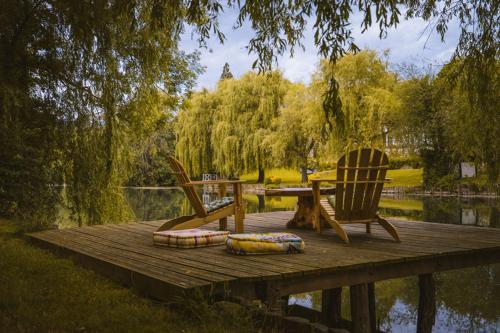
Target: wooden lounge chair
[[217, 210], [359, 184]]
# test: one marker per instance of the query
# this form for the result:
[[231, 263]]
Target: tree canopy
[[81, 82], [227, 129]]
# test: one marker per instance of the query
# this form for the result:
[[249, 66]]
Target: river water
[[468, 300]]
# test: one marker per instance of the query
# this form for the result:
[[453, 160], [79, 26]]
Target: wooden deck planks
[[425, 247]]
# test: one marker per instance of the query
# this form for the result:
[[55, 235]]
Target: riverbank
[[260, 189], [44, 293]]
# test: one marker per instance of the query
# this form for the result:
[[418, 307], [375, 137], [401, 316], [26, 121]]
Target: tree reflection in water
[[468, 300]]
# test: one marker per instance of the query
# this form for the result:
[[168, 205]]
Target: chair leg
[[338, 229], [238, 223], [223, 224], [389, 228], [194, 223], [167, 225], [368, 228]]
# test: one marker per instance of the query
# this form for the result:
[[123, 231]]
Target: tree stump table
[[303, 217]]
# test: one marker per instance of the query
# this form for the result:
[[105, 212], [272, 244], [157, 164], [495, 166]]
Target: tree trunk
[[261, 176], [303, 171], [262, 203]]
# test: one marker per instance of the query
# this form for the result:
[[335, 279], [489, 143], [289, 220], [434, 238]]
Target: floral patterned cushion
[[190, 238], [262, 243], [219, 203]]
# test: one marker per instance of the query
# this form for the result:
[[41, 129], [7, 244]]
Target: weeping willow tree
[[297, 129], [80, 83], [366, 91], [194, 130], [242, 123]]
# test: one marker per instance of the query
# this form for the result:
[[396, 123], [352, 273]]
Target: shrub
[[448, 183], [272, 180], [398, 162]]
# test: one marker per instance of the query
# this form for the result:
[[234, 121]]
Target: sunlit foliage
[[366, 90], [297, 129], [194, 131], [227, 130]]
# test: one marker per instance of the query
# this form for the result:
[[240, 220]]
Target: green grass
[[400, 178], [405, 177], [404, 204], [287, 176], [40, 292]]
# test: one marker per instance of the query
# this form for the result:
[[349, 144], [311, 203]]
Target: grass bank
[[400, 177], [43, 293]]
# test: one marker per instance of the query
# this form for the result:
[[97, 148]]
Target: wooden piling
[[331, 303], [426, 303], [371, 307], [360, 314]]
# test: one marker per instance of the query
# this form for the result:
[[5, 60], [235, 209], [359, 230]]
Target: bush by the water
[[409, 162]]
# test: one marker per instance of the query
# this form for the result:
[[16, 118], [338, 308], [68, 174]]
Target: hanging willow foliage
[[243, 121], [226, 130], [81, 83], [194, 130], [366, 90]]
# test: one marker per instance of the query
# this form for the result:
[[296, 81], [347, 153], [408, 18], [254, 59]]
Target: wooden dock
[[126, 254]]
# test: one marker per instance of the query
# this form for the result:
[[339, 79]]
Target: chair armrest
[[213, 182]]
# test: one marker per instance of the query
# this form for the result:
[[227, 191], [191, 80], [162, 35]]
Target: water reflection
[[155, 204], [468, 300]]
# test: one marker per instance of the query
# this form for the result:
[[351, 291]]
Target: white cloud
[[407, 43]]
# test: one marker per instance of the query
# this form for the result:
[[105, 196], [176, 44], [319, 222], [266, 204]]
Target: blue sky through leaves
[[411, 42]]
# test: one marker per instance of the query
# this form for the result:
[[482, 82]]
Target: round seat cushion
[[264, 243], [189, 238]]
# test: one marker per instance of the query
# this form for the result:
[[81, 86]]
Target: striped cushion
[[219, 203], [190, 238], [262, 243]]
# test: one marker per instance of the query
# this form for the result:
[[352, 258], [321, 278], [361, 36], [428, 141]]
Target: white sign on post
[[467, 170]]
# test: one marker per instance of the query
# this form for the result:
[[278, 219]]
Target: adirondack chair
[[217, 210], [359, 183]]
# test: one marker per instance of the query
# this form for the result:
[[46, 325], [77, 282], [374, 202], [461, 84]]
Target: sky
[[409, 43]]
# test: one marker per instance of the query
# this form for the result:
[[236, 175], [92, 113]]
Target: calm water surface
[[468, 300]]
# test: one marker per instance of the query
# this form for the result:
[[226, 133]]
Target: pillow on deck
[[262, 243], [190, 238], [219, 203]]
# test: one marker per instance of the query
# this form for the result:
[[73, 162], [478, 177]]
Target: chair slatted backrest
[[184, 182], [363, 174]]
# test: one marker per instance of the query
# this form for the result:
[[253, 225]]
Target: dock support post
[[284, 304], [331, 303], [360, 314], [269, 294], [426, 303], [371, 307]]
